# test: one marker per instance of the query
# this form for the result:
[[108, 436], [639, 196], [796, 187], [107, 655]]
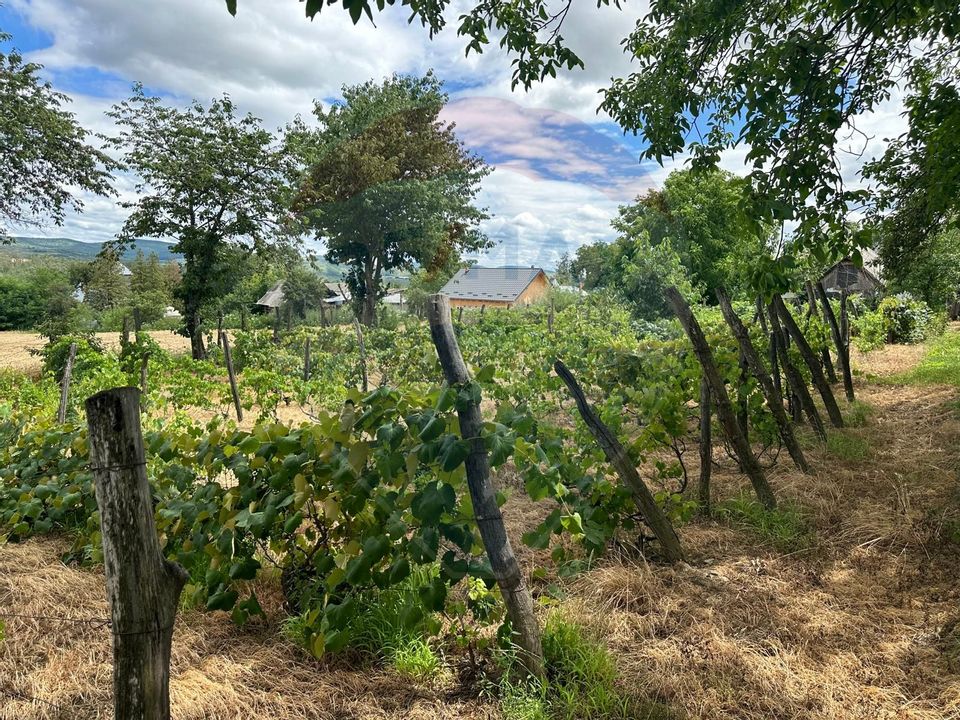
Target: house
[[272, 298], [846, 275], [496, 287], [337, 295]]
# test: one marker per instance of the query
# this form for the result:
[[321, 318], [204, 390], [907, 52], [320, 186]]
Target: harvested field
[[857, 622]]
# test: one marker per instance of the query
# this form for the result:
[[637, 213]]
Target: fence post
[[306, 360], [506, 570], [228, 357], [617, 456], [795, 382], [843, 351], [143, 588], [725, 412], [125, 332], [65, 384]]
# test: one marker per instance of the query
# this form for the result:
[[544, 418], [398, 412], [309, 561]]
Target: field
[[18, 349], [842, 604]]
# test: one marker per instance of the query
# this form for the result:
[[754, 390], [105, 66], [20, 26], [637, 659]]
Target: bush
[[899, 318], [89, 355]]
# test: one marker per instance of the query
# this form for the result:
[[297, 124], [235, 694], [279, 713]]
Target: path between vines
[[859, 626]]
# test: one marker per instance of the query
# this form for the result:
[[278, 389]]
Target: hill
[[77, 250]]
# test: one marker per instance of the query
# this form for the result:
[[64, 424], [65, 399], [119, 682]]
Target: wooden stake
[[718, 390], [618, 457], [306, 360], [816, 371], [125, 332], [233, 378], [143, 374], [795, 379], [363, 353], [65, 384], [493, 532], [770, 391], [843, 350], [706, 447], [143, 588]]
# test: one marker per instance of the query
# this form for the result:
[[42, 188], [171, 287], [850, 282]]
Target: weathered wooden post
[[143, 588], [363, 353], [306, 360], [618, 457], [125, 332], [812, 311], [137, 320], [770, 391], [795, 379], [228, 358], [506, 570], [65, 384], [718, 390], [816, 371], [843, 350], [706, 448]]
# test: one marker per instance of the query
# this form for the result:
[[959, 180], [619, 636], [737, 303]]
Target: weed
[[857, 413], [785, 528], [415, 659], [940, 366], [847, 446]]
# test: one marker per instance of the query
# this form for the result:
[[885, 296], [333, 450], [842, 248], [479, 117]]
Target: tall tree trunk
[[843, 350], [617, 456], [725, 412], [795, 379], [806, 352], [770, 392], [195, 332], [486, 510]]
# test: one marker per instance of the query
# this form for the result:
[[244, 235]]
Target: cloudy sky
[[562, 169]]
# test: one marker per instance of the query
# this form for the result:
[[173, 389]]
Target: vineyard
[[335, 567]]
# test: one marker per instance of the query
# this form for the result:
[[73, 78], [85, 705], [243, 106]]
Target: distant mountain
[[76, 250]]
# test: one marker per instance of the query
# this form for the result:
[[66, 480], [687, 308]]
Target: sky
[[561, 168]]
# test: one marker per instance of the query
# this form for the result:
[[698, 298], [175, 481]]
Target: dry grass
[[849, 629]]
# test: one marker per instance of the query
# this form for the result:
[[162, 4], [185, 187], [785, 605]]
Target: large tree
[[44, 156], [388, 185], [212, 180], [788, 80]]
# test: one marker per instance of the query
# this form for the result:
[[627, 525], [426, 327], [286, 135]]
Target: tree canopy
[[387, 184], [44, 156], [212, 180]]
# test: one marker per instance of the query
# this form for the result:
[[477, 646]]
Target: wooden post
[[276, 325], [460, 316], [770, 391], [503, 562], [233, 378], [323, 314], [137, 320], [65, 384], [550, 318], [706, 447], [143, 374], [812, 311], [618, 457], [125, 332], [816, 371], [220, 335], [842, 350], [795, 379], [306, 360], [718, 390], [143, 588], [363, 353]]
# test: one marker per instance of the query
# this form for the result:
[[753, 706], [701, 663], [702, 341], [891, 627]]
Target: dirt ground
[[859, 626], [16, 347]]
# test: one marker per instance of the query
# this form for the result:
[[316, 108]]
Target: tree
[[701, 216], [151, 290], [44, 156], [788, 80], [102, 281], [388, 185], [209, 179], [303, 289]]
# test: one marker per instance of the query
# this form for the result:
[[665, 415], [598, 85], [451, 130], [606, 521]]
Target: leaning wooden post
[[65, 384], [770, 391], [728, 418], [363, 353], [706, 447], [842, 350], [816, 371], [812, 311], [228, 358], [143, 588], [618, 457], [493, 532], [795, 379]]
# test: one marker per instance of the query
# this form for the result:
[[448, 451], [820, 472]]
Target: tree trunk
[[843, 351], [194, 331], [618, 457], [65, 384], [816, 372], [770, 391], [795, 379], [503, 562], [725, 412], [706, 447], [743, 409], [362, 349], [143, 588]]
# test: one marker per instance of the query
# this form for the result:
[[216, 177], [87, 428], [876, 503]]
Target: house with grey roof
[[496, 287]]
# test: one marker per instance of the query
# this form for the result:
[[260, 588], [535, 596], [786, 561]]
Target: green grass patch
[[940, 366], [847, 446], [857, 413], [416, 659], [582, 683], [786, 528]]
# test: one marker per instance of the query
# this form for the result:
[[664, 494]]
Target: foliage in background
[[898, 318]]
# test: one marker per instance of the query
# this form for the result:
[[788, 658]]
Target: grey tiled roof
[[273, 297], [503, 284]]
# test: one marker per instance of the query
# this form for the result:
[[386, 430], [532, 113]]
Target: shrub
[[899, 318], [89, 355]]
